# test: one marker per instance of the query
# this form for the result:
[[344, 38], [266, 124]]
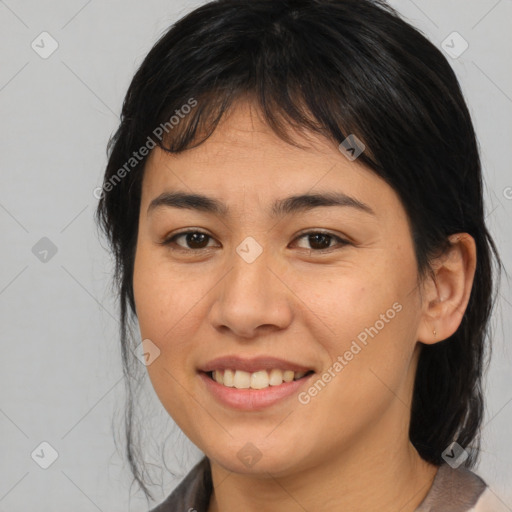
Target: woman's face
[[307, 287]]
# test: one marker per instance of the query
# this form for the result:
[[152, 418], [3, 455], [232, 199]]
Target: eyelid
[[310, 231], [320, 231], [170, 238]]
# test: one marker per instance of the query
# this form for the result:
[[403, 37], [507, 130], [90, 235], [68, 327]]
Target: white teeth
[[228, 380], [288, 375], [257, 380], [276, 377], [242, 380]]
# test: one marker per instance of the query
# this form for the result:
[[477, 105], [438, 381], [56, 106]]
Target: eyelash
[[171, 240]]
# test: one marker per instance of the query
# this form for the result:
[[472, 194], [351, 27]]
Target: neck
[[368, 475]]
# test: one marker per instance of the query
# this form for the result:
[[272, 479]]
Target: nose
[[253, 298]]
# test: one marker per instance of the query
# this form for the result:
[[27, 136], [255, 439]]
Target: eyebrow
[[282, 207]]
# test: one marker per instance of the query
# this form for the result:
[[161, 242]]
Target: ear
[[446, 293]]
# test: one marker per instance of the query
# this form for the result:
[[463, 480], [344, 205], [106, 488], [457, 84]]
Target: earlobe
[[447, 290]]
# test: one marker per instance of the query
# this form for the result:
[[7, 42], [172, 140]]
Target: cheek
[[368, 316], [166, 296], [165, 300], [349, 301]]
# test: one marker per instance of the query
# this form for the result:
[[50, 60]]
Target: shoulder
[[193, 492], [489, 502]]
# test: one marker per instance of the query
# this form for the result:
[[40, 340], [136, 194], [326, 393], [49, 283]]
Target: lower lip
[[252, 399]]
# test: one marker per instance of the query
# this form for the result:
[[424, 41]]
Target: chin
[[252, 458]]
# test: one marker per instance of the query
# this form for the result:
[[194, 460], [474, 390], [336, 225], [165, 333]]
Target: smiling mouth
[[261, 379]]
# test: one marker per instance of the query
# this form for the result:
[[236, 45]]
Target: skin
[[348, 448]]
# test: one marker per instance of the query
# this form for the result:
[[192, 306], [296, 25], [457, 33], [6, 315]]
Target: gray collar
[[453, 490]]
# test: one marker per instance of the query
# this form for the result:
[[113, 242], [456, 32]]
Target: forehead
[[244, 158]]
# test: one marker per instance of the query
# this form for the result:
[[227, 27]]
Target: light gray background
[[60, 371]]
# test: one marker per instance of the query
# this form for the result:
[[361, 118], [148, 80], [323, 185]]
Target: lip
[[252, 399], [252, 365]]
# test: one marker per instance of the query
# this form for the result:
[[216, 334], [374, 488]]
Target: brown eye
[[193, 240], [319, 241], [196, 240]]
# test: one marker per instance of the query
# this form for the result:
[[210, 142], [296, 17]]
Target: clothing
[[453, 490]]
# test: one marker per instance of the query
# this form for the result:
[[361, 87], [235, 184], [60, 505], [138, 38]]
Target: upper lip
[[252, 365]]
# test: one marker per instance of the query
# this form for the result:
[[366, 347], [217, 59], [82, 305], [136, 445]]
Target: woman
[[294, 201]]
